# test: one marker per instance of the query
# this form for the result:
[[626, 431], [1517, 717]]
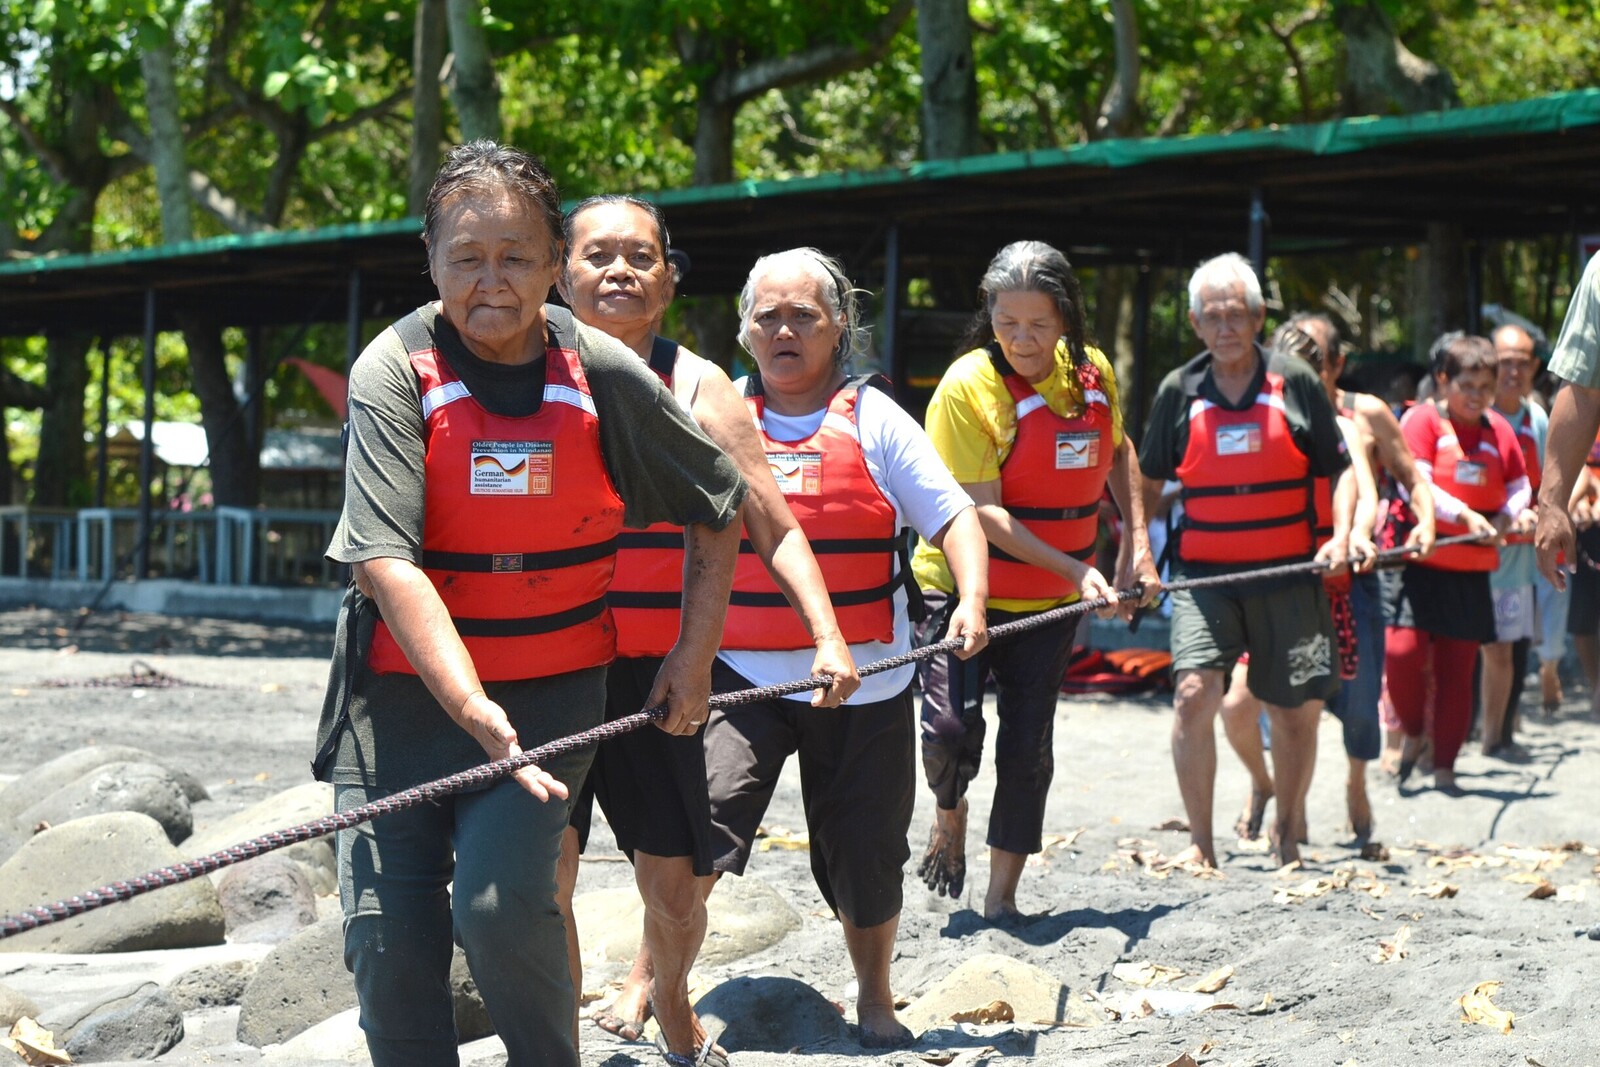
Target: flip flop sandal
[[708, 1056]]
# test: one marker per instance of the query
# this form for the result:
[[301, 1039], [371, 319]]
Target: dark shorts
[[1455, 604], [650, 784], [856, 780], [1285, 626], [1583, 607]]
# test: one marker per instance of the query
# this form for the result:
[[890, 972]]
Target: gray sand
[[1305, 939]]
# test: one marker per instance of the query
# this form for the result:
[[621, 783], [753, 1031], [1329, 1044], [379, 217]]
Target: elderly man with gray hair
[[1247, 432]]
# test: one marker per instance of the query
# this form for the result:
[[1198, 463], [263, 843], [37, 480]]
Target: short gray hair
[[1223, 273], [486, 166], [839, 297]]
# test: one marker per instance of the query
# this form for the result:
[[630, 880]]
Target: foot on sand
[[1445, 782], [1249, 825], [880, 1029], [1359, 806], [615, 1017], [944, 865], [1411, 752]]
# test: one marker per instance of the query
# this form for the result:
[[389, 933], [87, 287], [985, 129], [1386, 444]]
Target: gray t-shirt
[[1577, 353], [663, 468]]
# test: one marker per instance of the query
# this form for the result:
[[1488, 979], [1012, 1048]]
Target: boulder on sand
[[13, 1006], [744, 916], [215, 985], [87, 853], [147, 788], [48, 777], [1035, 995], [137, 1022], [266, 900], [303, 982], [302, 804]]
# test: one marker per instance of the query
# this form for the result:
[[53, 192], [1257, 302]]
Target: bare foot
[[1284, 852], [1445, 782], [626, 1015], [1194, 854], [681, 1032], [879, 1027], [1249, 825], [944, 865]]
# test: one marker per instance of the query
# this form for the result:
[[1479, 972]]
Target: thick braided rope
[[187, 870]]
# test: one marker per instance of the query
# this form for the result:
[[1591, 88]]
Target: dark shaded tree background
[[130, 123]]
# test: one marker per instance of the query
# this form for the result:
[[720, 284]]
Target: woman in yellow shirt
[[1027, 421]]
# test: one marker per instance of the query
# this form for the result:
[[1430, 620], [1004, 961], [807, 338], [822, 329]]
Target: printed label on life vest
[[1238, 440], [513, 468], [797, 473], [1470, 473], [1077, 451]]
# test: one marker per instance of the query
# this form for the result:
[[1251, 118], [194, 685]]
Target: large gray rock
[[266, 900], [1035, 995], [13, 1006], [48, 777], [337, 1039], [743, 916], [88, 853], [303, 982], [302, 804], [216, 985], [137, 1022], [300, 983], [769, 1014], [141, 787]]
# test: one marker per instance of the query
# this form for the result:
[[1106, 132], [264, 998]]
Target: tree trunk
[[949, 80], [166, 141], [61, 474], [713, 141], [1119, 110], [475, 92], [235, 465], [427, 111], [1382, 75]]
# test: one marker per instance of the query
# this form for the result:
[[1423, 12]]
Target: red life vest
[[1475, 476], [1243, 474], [520, 521], [850, 523], [646, 595], [1530, 462], [1051, 481]]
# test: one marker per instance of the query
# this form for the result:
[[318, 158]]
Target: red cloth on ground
[[1406, 652]]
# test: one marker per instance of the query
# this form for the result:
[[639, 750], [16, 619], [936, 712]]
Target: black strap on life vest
[[1083, 511], [517, 562], [529, 625], [663, 356]]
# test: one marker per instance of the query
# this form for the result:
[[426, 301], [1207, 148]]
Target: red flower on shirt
[[1089, 376]]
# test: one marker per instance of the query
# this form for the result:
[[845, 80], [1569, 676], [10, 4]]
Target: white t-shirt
[[925, 496]]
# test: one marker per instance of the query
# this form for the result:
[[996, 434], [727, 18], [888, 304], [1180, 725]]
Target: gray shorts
[[1284, 625], [1514, 616]]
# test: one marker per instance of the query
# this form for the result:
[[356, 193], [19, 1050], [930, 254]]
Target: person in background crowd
[[1027, 420], [1516, 613], [651, 784], [1439, 610], [856, 470], [496, 449], [1247, 431]]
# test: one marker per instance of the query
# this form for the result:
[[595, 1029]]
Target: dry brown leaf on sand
[[1264, 1008], [778, 837], [1146, 974], [34, 1043], [1063, 840], [996, 1011], [1214, 981], [1294, 894], [1393, 951], [1184, 1060], [1478, 1007], [1436, 890], [1179, 825], [1542, 891]]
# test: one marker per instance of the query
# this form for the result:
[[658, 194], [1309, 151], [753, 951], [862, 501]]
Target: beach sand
[[1306, 986]]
